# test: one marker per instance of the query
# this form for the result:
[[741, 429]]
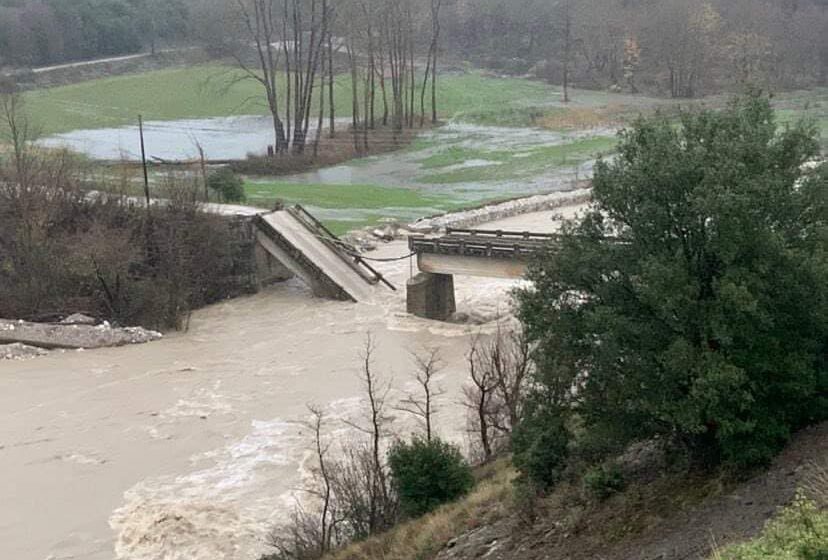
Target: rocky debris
[[367, 239], [18, 351], [500, 211], [79, 319], [70, 336], [385, 234], [487, 541]]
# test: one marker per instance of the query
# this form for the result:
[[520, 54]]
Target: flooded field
[[191, 447], [449, 168], [220, 137]]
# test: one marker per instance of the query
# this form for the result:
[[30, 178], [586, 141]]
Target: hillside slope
[[657, 517]]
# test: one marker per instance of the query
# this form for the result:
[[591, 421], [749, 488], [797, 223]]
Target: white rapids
[[192, 447]]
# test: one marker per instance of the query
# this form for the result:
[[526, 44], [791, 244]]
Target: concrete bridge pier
[[431, 296]]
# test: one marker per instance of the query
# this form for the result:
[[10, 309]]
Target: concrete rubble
[[367, 239], [69, 335], [18, 351]]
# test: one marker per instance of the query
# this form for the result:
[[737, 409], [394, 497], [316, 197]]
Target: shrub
[[706, 325], [800, 532], [228, 185], [601, 482], [427, 474], [540, 445]]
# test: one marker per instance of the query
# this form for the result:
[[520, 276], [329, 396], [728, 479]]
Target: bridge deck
[[493, 244], [314, 254], [476, 252]]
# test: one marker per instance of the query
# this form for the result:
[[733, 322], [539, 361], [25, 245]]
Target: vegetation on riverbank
[[694, 365]]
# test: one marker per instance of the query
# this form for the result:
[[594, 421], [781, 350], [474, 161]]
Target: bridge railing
[[483, 243], [352, 259], [501, 234]]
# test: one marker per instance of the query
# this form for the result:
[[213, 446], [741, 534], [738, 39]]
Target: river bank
[[190, 447]]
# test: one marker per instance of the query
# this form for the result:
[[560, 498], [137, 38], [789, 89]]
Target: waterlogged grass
[[509, 165], [455, 155]]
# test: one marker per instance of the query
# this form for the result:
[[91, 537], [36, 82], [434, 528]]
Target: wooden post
[[144, 159]]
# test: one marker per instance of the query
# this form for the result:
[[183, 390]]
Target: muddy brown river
[[192, 447]]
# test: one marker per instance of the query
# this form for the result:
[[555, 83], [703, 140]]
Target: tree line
[[43, 32], [680, 48]]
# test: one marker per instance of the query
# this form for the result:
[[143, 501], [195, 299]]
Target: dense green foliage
[[692, 300], [227, 185], [800, 532], [539, 444], [428, 473], [602, 481]]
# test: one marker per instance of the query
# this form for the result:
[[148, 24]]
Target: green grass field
[[346, 207], [443, 182], [341, 196], [214, 91]]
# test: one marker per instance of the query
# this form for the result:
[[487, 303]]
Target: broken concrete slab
[[79, 319], [19, 351], [44, 335]]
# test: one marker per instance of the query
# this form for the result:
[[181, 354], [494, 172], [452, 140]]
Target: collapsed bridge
[[302, 246]]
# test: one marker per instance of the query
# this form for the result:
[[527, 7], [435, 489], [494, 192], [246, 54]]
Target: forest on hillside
[[678, 48]]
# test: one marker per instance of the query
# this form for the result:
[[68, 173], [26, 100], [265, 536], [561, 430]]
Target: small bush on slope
[[427, 474]]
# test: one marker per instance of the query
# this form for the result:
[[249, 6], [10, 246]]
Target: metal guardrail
[[357, 263], [493, 244], [501, 234]]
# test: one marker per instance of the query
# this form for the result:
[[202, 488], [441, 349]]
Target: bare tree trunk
[[331, 105], [435, 47], [422, 406]]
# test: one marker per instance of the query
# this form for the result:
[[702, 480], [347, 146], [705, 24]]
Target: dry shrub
[[425, 536], [578, 118], [63, 251]]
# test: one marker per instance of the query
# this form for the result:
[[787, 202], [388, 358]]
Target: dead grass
[[579, 118], [424, 537]]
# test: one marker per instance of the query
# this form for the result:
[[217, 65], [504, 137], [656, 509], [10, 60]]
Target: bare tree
[[261, 28], [479, 399], [313, 527], [422, 406], [499, 368], [363, 479], [16, 130]]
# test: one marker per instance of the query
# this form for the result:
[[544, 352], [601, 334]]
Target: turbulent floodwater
[[192, 447]]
